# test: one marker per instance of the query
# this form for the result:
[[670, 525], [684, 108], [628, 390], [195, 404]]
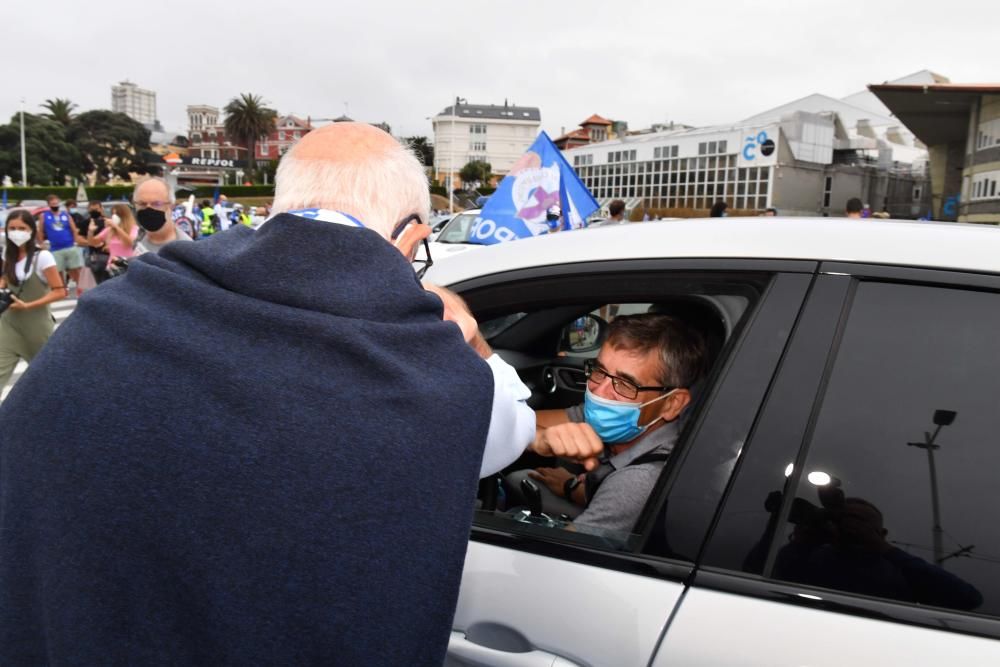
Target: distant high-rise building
[[134, 102]]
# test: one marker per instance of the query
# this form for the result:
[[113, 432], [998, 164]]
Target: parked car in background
[[831, 498], [453, 236]]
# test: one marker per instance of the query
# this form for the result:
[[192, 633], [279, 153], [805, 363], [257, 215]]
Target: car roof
[[964, 247]]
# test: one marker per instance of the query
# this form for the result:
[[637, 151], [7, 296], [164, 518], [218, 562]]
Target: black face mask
[[151, 219], [96, 215], [55, 209]]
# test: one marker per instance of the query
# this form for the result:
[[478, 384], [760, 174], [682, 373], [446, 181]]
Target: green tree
[[476, 172], [247, 120], [112, 143], [59, 110], [51, 157], [422, 148]]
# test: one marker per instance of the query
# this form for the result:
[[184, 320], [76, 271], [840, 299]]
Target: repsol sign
[[214, 162]]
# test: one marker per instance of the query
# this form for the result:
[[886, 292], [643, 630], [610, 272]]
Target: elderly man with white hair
[[287, 466]]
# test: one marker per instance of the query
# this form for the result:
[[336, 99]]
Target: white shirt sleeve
[[512, 422]]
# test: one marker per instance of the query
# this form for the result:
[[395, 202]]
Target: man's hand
[[577, 441], [456, 311], [553, 478]]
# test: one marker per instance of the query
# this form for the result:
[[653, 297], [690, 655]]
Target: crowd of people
[[69, 252]]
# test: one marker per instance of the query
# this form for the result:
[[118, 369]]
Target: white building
[[491, 133], [807, 157], [134, 102]]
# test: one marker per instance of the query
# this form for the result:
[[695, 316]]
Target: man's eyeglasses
[[624, 388], [149, 204], [397, 234]]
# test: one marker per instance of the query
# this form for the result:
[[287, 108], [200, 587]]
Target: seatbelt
[[597, 476]]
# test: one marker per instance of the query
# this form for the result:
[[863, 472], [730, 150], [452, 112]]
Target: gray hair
[[680, 348], [379, 190]]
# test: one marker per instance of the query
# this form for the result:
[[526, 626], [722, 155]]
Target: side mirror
[[584, 334]]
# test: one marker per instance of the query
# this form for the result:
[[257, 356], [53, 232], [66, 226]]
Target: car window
[[895, 496], [557, 379], [458, 230]]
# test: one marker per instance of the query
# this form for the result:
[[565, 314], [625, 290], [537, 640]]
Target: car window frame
[[511, 283]]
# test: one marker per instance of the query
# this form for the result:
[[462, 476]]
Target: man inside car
[[637, 388]]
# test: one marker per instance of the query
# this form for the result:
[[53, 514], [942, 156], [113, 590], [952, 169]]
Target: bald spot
[[348, 142], [152, 191]]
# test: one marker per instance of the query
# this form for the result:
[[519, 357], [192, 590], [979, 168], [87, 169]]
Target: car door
[[537, 595], [862, 525]]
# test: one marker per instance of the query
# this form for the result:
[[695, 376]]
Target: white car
[[831, 499], [454, 236]]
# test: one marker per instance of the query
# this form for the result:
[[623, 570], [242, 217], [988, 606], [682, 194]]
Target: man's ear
[[674, 404], [410, 238]]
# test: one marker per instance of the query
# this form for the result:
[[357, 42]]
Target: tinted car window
[[896, 498]]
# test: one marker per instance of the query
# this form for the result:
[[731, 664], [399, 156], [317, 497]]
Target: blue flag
[[215, 195], [539, 180], [5, 199]]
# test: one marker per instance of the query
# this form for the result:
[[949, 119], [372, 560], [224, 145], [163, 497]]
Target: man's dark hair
[[718, 208], [205, 203], [616, 208], [771, 209], [681, 347], [52, 196], [854, 205]]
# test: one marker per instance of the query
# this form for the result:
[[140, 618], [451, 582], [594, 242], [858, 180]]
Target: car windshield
[[459, 229]]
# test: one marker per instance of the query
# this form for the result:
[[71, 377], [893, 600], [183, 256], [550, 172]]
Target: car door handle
[[470, 653]]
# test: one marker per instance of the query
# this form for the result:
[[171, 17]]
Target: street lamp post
[[24, 158], [451, 160], [942, 418]]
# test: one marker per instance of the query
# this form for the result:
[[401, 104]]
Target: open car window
[[548, 339]]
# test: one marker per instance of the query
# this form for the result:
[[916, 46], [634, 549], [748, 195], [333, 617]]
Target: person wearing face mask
[[286, 528], [118, 236], [33, 278], [60, 231], [637, 388], [154, 204], [96, 256]]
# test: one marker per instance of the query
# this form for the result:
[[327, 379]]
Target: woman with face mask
[[34, 282], [118, 235]]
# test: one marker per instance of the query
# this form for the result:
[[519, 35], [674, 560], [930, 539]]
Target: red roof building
[[593, 130]]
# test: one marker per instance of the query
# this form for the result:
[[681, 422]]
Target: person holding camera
[[118, 235], [31, 282]]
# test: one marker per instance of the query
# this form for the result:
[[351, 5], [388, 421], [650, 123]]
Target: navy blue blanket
[[276, 462]]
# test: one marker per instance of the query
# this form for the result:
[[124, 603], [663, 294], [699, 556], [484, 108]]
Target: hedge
[[105, 192], [101, 192]]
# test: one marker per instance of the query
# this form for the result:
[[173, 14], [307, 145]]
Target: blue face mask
[[615, 421]]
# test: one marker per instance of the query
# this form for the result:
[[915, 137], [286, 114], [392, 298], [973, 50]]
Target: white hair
[[170, 192], [379, 190]]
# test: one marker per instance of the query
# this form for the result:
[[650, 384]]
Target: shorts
[[68, 259]]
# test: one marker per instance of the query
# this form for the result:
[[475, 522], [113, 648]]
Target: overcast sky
[[401, 62]]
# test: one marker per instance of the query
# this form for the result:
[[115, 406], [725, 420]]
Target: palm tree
[[59, 110], [247, 119]]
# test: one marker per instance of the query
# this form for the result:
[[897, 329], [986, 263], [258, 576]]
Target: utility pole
[[451, 160], [24, 158]]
